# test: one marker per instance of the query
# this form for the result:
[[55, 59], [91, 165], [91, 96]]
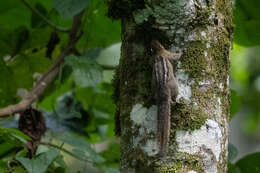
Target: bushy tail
[[163, 126]]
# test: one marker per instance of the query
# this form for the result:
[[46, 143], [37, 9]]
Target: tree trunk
[[202, 31]]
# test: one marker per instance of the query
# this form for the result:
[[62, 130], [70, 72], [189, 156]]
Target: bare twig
[[50, 75], [58, 28]]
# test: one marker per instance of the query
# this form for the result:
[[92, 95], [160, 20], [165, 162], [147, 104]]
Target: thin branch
[[58, 28], [65, 151], [50, 75]]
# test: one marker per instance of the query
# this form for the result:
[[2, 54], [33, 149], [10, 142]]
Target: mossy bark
[[202, 31]]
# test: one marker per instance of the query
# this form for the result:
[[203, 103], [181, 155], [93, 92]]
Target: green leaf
[[86, 72], [10, 139], [3, 166], [35, 19], [99, 30], [100, 114], [102, 129], [10, 10], [40, 163], [21, 72], [111, 170], [236, 103], [110, 55], [112, 155], [68, 107], [22, 153], [90, 155], [98, 102], [69, 8], [19, 38], [249, 163], [50, 101], [18, 135], [232, 152], [232, 168], [6, 147], [25, 66], [251, 123], [60, 161], [252, 28], [99, 99], [18, 169], [81, 147], [42, 149], [60, 170], [239, 66], [246, 19], [6, 91]]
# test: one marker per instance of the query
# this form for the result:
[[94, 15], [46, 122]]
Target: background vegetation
[[78, 106]]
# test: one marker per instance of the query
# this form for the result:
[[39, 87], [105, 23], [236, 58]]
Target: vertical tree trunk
[[201, 30]]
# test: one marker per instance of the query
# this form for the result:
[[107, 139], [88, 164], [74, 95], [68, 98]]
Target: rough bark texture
[[202, 31]]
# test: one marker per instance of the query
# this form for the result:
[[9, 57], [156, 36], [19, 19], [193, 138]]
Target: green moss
[[220, 54], [187, 117], [191, 162], [202, 18], [175, 167], [225, 7], [182, 162], [193, 59], [132, 85]]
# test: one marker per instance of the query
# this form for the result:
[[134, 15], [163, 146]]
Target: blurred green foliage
[[78, 107], [247, 22], [245, 80], [78, 102]]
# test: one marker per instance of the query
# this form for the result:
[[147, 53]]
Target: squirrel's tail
[[163, 127]]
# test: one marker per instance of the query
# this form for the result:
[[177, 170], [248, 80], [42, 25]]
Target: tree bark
[[202, 31]]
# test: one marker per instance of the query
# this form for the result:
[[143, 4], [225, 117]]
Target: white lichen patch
[[217, 112], [228, 81], [171, 17], [205, 53], [145, 122], [219, 101], [150, 147], [203, 34], [209, 161], [221, 86], [184, 85], [192, 36], [195, 142], [145, 117], [204, 82], [192, 171], [138, 114], [208, 45], [179, 64]]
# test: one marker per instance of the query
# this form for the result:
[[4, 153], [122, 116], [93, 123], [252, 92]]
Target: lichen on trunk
[[202, 31]]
